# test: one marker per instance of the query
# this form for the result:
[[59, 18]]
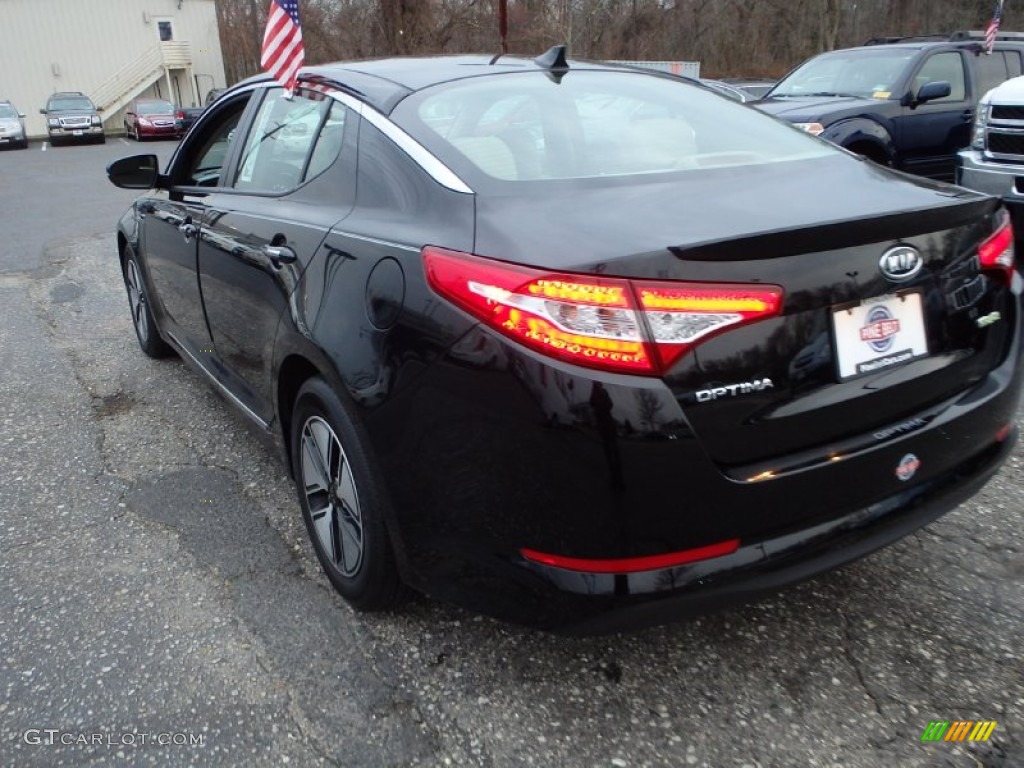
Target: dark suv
[[904, 102], [71, 116]]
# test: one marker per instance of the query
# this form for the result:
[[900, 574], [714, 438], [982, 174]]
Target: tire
[[343, 504], [146, 330]]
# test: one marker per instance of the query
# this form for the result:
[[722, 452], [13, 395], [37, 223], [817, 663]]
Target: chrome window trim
[[419, 154]]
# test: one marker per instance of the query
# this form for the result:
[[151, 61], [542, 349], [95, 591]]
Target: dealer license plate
[[879, 333]]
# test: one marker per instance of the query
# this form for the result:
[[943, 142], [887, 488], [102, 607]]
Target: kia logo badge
[[900, 263]]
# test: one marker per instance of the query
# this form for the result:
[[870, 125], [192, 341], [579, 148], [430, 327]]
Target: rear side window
[[995, 69], [525, 127]]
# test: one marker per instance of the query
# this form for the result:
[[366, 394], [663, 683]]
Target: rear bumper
[[761, 568], [486, 460]]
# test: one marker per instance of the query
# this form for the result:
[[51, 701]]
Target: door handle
[[968, 115], [280, 254]]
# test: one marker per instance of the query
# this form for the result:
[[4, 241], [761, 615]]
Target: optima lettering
[[731, 390]]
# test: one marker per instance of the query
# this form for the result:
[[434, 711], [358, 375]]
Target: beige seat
[[490, 154]]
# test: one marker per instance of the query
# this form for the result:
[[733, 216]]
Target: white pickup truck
[[994, 162]]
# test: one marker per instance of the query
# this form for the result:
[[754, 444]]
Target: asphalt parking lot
[[160, 603]]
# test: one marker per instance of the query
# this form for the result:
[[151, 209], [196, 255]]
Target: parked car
[[152, 118], [71, 116], [213, 94], [12, 126], [523, 331], [727, 90], [994, 162], [756, 88], [188, 115], [904, 102]]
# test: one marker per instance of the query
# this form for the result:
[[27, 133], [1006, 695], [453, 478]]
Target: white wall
[[75, 45]]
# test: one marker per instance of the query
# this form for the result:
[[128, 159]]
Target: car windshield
[[71, 102], [522, 127], [6, 110], [865, 73], [155, 108]]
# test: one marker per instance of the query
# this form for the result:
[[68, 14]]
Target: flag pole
[[503, 24]]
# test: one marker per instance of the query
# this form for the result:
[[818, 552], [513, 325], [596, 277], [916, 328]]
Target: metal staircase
[[136, 76]]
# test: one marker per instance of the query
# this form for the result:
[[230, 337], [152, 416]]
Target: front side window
[[291, 140], [524, 127], [943, 67]]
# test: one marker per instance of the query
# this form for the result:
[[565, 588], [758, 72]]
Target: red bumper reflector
[[634, 564], [1004, 432]]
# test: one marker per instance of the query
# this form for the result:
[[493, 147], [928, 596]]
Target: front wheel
[[342, 500], [138, 301]]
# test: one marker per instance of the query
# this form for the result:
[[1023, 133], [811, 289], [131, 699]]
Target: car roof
[[382, 83]]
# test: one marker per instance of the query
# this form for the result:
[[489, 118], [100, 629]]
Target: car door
[[292, 180], [931, 133], [172, 218]]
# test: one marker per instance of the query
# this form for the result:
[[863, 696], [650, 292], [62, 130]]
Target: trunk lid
[[856, 355]]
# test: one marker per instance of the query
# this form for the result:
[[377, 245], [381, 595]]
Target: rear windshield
[[155, 108], [71, 102], [523, 127]]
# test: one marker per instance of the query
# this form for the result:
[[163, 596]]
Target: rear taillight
[[629, 326], [180, 115], [996, 253]]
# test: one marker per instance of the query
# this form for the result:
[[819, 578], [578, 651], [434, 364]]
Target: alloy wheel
[[137, 300], [331, 496]]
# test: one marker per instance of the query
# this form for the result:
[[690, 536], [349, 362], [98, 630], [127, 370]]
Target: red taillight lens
[[996, 253], [615, 324], [180, 115]]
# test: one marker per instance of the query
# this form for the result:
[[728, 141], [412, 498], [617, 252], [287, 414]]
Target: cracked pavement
[[156, 578]]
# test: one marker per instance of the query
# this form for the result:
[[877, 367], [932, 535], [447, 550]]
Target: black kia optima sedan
[[572, 345]]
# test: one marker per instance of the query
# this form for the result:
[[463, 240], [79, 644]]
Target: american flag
[[283, 52], [993, 27]]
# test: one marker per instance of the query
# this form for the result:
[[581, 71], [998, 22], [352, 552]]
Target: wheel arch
[[298, 360], [863, 137]]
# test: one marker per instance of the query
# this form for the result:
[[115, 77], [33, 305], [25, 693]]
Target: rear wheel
[[342, 500], [142, 317]]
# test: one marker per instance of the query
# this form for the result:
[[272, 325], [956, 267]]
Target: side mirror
[[42, 111], [135, 172], [99, 109], [938, 89], [21, 115]]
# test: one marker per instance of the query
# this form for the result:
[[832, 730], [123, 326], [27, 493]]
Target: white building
[[111, 50]]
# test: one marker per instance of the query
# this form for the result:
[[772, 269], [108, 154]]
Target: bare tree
[[728, 37]]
